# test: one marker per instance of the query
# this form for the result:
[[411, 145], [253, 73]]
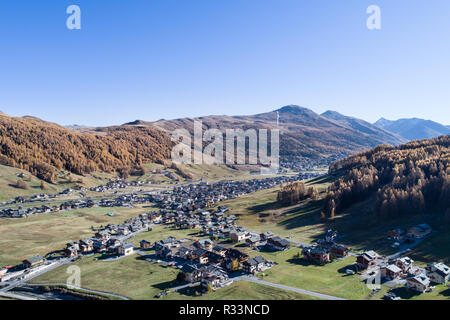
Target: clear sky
[[153, 59]]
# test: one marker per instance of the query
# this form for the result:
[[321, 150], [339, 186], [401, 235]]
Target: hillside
[[414, 128], [406, 180], [43, 148], [364, 126], [303, 132]]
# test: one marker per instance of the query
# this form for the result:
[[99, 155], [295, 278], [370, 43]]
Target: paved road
[[15, 283], [16, 296], [174, 289], [279, 286]]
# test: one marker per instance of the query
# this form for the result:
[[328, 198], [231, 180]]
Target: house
[[254, 241], [220, 250], [438, 272], [330, 235], [237, 236], [126, 249], [99, 246], [266, 235], [33, 262], [210, 281], [214, 257], [338, 250], [420, 283], [86, 245], [200, 255], [71, 251], [144, 244], [104, 235], [316, 255], [277, 243], [391, 271], [397, 234], [404, 263], [419, 231], [367, 259], [165, 252], [236, 254], [192, 273], [204, 244], [74, 244], [253, 265], [184, 252]]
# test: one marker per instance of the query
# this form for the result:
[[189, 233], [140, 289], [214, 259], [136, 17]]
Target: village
[[191, 196], [212, 260]]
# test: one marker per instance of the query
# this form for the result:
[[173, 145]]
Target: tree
[[22, 185], [235, 265]]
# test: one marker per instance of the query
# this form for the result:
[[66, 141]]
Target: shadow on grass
[[191, 291], [324, 179], [446, 293], [165, 285], [307, 215], [405, 293], [300, 262]]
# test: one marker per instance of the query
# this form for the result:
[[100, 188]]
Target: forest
[[408, 179], [43, 148]]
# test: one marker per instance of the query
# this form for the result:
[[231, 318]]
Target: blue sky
[[153, 59]]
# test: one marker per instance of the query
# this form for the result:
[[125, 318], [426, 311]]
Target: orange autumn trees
[[404, 180], [43, 148]]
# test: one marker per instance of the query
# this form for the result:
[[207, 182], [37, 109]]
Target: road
[[16, 296], [12, 284], [279, 286], [174, 289]]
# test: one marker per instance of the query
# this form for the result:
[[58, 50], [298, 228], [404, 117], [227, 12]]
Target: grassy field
[[10, 175], [358, 227], [138, 279], [243, 290], [131, 276], [41, 234]]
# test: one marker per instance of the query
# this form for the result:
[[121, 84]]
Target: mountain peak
[[297, 110]]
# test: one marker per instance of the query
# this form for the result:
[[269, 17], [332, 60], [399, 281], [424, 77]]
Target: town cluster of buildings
[[111, 238], [204, 195], [416, 232], [115, 185], [403, 268], [301, 164], [205, 262], [326, 249], [184, 198]]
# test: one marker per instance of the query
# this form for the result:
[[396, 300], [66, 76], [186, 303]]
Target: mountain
[[414, 128], [43, 148], [303, 133], [364, 127]]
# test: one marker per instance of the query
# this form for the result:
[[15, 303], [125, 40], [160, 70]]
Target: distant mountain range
[[43, 147], [414, 128], [303, 132]]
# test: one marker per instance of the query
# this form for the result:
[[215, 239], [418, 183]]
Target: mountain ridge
[[413, 128]]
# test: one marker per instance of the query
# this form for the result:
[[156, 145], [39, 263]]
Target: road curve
[[280, 286]]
